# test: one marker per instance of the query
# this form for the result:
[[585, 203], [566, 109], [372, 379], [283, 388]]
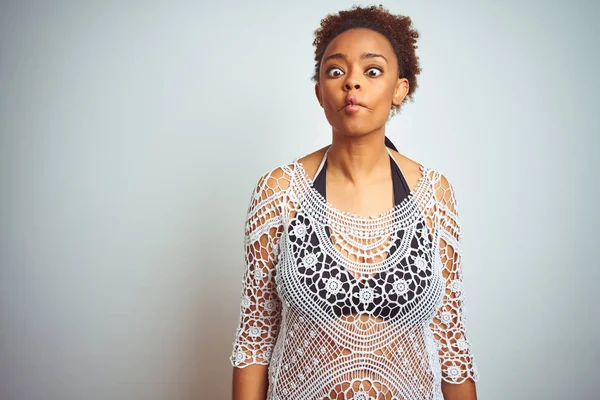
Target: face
[[359, 67]]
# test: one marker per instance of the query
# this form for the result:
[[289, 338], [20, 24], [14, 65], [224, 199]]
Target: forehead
[[356, 41]]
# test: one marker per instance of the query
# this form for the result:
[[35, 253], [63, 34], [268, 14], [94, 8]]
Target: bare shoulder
[[411, 169], [311, 162]]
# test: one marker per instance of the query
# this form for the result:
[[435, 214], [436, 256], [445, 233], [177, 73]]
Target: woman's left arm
[[459, 372]]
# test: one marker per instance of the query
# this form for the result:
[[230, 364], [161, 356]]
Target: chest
[[388, 273], [372, 199]]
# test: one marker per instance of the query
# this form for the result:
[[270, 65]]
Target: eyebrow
[[343, 56]]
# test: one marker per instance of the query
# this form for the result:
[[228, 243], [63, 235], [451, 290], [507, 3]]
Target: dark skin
[[362, 63]]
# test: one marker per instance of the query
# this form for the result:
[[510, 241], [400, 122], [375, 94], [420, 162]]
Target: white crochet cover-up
[[373, 310]]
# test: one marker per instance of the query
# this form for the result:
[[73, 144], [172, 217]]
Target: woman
[[352, 287]]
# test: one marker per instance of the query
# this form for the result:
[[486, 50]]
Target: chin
[[354, 129], [356, 126]]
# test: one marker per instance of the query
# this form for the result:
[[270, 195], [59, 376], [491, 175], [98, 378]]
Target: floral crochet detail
[[344, 306]]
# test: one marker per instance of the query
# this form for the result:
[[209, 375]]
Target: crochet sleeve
[[448, 326], [260, 310]]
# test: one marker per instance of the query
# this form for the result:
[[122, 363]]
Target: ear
[[318, 94], [400, 91]]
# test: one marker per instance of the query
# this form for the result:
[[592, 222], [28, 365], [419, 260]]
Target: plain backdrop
[[132, 134]]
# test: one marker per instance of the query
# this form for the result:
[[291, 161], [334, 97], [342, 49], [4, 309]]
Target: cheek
[[384, 90], [331, 105], [331, 112], [329, 94]]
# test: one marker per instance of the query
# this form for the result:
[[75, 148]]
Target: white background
[[132, 134]]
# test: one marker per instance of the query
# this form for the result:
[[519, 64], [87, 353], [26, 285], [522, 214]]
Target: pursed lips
[[351, 100]]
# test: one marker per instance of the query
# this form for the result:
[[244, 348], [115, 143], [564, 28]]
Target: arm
[[260, 310], [459, 372], [250, 383]]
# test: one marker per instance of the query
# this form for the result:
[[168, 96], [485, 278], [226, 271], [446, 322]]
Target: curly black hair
[[396, 28]]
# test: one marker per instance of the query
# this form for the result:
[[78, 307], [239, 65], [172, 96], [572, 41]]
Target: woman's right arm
[[260, 310], [250, 383]]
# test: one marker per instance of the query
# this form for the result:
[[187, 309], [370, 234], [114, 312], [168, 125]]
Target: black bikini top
[[394, 304], [401, 189]]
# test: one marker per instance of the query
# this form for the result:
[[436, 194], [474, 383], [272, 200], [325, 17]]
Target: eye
[[332, 75], [377, 71]]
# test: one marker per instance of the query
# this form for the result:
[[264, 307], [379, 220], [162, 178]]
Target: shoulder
[[441, 184], [412, 170], [275, 180], [268, 198], [311, 162], [279, 178], [443, 189]]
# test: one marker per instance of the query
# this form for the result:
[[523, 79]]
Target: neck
[[358, 160]]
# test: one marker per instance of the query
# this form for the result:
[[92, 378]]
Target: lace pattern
[[372, 311]]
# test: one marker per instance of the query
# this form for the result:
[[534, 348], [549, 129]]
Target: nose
[[352, 79]]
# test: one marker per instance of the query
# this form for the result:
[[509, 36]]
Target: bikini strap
[[323, 160]]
